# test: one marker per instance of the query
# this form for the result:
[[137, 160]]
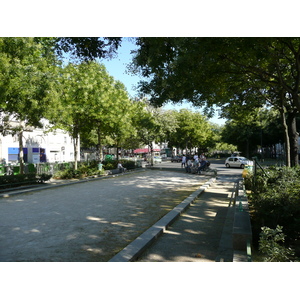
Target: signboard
[[35, 158]]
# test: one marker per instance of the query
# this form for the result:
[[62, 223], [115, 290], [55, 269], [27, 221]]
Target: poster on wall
[[35, 158]]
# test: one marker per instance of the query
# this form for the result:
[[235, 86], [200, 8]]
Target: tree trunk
[[76, 152], [21, 151], [286, 138], [117, 153], [100, 152], [293, 137], [151, 154]]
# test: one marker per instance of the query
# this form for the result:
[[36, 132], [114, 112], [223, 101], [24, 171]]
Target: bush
[[275, 200], [110, 165], [113, 164], [8, 181], [271, 244], [91, 168], [128, 164], [82, 171]]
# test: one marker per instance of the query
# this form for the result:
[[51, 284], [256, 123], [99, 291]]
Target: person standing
[[196, 158], [183, 161], [188, 165]]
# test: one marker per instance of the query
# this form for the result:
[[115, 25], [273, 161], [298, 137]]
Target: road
[[218, 164]]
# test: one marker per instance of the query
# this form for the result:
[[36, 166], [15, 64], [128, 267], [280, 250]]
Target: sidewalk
[[203, 233]]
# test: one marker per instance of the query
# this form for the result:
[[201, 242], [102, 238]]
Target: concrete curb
[[135, 248]]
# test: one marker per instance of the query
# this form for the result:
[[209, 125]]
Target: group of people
[[194, 164]]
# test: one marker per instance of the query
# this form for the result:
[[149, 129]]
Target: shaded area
[[91, 221], [196, 235]]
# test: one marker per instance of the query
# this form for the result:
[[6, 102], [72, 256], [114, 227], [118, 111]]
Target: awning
[[144, 150]]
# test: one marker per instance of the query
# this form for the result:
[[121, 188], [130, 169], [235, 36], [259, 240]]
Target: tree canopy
[[236, 74]]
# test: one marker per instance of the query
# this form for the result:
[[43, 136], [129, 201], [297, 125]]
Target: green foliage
[[271, 244], [90, 169], [8, 181], [113, 164], [84, 170], [87, 48], [275, 200], [128, 164], [110, 165], [192, 130], [27, 76]]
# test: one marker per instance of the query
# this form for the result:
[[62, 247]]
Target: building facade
[[39, 146]]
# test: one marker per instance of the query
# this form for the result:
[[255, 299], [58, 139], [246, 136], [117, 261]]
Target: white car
[[157, 159], [237, 161]]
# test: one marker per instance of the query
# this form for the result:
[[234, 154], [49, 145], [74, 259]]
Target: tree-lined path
[[91, 221]]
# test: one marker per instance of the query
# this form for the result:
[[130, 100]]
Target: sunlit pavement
[[90, 221], [204, 232], [94, 220]]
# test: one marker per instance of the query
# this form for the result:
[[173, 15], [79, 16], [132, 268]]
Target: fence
[[50, 168]]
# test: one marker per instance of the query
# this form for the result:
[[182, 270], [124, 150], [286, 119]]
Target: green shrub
[[81, 172], [66, 174], [90, 168], [110, 165], [271, 244], [128, 164], [8, 181], [275, 200]]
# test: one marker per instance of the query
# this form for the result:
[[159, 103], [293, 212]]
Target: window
[[13, 154]]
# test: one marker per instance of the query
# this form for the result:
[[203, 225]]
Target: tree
[[121, 121], [149, 126], [193, 131], [81, 48], [92, 102], [260, 129], [225, 72], [27, 85], [245, 135]]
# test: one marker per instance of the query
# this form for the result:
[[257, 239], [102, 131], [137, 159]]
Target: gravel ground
[[90, 221]]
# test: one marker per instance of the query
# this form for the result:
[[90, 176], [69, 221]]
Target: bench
[[114, 171]]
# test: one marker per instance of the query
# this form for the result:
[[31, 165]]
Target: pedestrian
[[196, 158], [202, 166], [183, 161], [121, 168], [202, 156], [188, 165]]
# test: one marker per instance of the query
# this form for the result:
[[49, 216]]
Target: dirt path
[[90, 221]]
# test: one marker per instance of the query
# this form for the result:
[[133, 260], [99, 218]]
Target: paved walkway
[[95, 220], [91, 221], [203, 233]]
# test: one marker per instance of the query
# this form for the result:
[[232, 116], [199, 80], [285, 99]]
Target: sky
[[117, 67]]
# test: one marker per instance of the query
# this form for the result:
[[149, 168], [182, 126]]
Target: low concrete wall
[[242, 231]]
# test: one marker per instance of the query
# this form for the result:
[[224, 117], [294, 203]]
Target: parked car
[[157, 159], [176, 158], [237, 161]]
